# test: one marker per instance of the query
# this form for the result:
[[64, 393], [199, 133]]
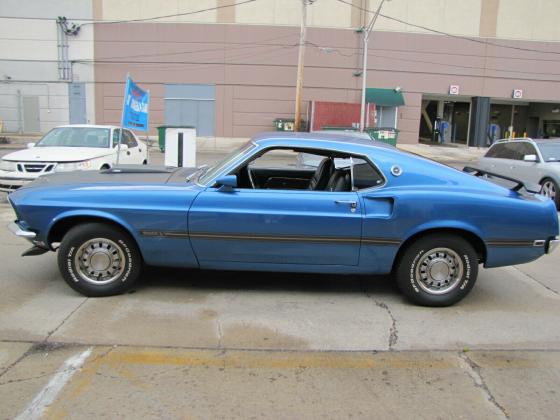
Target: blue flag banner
[[135, 110]]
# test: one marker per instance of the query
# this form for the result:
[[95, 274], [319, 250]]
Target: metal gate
[[191, 105]]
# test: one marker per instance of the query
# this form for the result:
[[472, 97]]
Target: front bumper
[[12, 184], [12, 180], [18, 231], [551, 245]]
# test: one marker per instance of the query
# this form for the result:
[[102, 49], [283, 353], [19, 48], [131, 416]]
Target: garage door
[[191, 105]]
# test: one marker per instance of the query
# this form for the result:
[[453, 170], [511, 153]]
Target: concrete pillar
[[440, 108], [479, 119]]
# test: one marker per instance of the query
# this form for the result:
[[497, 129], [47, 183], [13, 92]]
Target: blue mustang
[[359, 207]]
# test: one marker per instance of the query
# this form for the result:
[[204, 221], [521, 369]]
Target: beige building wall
[[532, 20]]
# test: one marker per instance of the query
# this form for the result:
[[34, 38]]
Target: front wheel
[[437, 270], [549, 188], [96, 259]]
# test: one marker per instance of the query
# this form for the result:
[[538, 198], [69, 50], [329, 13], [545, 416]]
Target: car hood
[[58, 154], [126, 175]]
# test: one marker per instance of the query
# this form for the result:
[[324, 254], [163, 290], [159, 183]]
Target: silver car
[[533, 161]]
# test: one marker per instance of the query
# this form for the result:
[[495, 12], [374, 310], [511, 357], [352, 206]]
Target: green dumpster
[[161, 137], [161, 133], [387, 135]]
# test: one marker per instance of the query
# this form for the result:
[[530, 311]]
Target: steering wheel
[[250, 176]]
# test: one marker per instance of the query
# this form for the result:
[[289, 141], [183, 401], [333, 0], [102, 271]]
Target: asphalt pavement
[[202, 344]]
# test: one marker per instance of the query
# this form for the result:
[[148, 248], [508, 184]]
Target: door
[[126, 157], [191, 106], [525, 171], [77, 102], [276, 227], [134, 152], [31, 120]]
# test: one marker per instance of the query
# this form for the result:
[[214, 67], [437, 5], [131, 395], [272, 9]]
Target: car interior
[[313, 170]]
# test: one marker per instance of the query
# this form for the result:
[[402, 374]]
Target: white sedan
[[70, 148]]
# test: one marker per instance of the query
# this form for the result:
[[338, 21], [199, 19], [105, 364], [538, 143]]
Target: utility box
[[180, 147]]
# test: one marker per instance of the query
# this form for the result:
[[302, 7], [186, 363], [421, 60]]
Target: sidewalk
[[444, 153]]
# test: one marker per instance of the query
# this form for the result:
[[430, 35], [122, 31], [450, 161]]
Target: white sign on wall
[[454, 89], [517, 94]]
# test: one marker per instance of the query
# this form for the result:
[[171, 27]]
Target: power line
[[90, 21], [466, 38], [172, 15]]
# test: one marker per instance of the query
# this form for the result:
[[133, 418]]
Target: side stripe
[[274, 238]]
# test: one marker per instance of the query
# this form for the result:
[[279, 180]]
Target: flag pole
[[122, 119]]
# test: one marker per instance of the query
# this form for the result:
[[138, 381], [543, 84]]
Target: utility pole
[[366, 32], [301, 56]]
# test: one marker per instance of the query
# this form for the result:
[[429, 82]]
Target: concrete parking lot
[[200, 344]]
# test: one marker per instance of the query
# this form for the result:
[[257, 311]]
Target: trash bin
[[387, 135], [161, 134], [161, 137], [288, 124]]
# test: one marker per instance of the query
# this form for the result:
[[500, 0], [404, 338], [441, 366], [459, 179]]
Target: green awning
[[384, 97]]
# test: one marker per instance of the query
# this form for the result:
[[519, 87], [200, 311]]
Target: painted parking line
[[48, 394]]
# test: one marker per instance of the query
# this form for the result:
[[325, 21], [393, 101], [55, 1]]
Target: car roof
[[312, 140], [87, 126]]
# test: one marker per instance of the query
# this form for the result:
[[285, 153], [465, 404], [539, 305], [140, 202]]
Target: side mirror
[[530, 158], [227, 181], [123, 146], [30, 145]]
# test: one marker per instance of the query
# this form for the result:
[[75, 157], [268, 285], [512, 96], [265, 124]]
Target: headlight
[[74, 166], [6, 165]]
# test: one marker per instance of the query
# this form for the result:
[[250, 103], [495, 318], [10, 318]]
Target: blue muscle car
[[362, 208]]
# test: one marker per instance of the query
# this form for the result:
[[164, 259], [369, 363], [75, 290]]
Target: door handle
[[353, 204]]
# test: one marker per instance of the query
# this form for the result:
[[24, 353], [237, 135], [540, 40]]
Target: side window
[[304, 170], [129, 140], [116, 133], [496, 151], [515, 150], [278, 159], [365, 175], [528, 149]]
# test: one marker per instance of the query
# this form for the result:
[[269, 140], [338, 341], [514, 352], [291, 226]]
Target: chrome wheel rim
[[439, 271], [99, 261], [549, 189]]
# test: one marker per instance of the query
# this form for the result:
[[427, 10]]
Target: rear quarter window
[[365, 175]]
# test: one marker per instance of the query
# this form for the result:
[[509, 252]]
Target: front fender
[[90, 213]]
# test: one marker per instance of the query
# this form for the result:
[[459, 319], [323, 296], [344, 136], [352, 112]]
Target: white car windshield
[[76, 137], [550, 151]]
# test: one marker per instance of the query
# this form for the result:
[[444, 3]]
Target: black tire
[[437, 270], [145, 162], [108, 266], [549, 183]]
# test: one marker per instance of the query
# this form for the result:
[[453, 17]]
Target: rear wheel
[[96, 259], [437, 270], [549, 188]]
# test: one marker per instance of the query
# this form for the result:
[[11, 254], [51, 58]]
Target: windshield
[[550, 151], [76, 137], [216, 169]]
